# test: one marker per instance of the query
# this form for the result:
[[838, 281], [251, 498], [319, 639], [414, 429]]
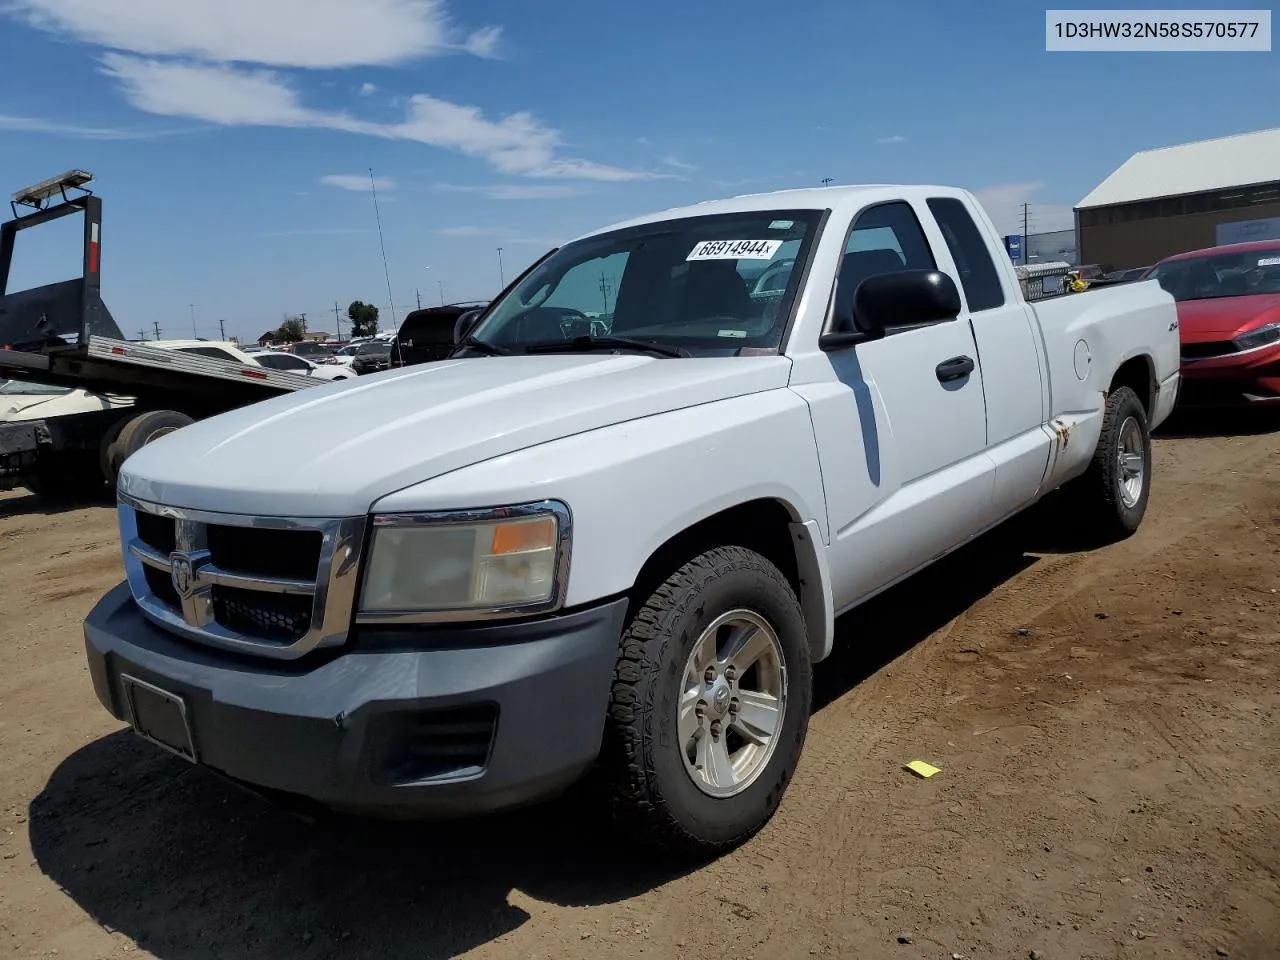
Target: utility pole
[[157, 326], [222, 329], [604, 291], [337, 319], [441, 285], [418, 294], [142, 334], [826, 181], [303, 318], [194, 335], [1026, 230], [502, 280]]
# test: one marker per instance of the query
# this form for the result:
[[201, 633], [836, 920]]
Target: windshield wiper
[[589, 344], [482, 346]]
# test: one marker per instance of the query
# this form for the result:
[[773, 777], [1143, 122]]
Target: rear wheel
[[1113, 493], [137, 433], [710, 703]]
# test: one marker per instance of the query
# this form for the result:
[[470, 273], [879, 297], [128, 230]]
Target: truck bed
[[109, 365]]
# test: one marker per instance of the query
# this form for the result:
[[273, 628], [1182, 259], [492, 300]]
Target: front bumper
[[425, 723], [1249, 377]]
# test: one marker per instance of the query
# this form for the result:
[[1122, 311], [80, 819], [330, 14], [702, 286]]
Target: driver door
[[919, 479]]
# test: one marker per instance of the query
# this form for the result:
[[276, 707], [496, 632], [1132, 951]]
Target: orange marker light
[[520, 535]]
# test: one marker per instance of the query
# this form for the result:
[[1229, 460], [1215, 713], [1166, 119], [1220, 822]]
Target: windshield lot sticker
[[734, 250], [731, 333], [1268, 261]]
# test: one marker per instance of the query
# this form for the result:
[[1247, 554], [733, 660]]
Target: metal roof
[[1236, 161]]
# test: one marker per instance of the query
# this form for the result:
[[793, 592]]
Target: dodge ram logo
[[182, 574]]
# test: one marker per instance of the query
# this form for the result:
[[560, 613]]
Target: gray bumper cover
[[351, 731]]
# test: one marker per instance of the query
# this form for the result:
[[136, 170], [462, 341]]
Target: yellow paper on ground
[[922, 769]]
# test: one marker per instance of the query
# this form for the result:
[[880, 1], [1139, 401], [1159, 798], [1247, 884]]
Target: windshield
[[367, 349], [708, 286], [1220, 275], [24, 388]]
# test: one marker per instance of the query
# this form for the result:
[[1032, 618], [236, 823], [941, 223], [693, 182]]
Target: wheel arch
[[771, 527], [1138, 374]]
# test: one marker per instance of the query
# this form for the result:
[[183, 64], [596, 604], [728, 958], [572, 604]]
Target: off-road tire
[[139, 431], [1098, 496], [650, 792]]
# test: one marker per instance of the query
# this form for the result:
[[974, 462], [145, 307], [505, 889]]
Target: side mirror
[[890, 301], [465, 324]]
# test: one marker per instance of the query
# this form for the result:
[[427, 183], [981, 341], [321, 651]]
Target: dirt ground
[[1106, 723]]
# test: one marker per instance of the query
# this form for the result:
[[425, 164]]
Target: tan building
[[1173, 199]]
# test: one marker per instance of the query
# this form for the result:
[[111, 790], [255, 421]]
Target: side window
[[978, 274], [884, 239], [212, 352], [285, 362]]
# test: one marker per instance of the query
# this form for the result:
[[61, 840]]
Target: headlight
[[1258, 338], [456, 565]]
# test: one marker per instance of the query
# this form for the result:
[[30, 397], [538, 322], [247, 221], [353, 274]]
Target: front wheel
[[710, 703]]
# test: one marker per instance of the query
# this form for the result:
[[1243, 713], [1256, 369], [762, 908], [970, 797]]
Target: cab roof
[[804, 198]]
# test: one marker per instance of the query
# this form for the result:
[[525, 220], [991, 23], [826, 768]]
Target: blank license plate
[[159, 716]]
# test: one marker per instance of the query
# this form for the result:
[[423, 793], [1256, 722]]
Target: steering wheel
[[571, 323]]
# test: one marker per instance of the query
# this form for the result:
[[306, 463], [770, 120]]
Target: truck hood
[[334, 450], [1222, 318]]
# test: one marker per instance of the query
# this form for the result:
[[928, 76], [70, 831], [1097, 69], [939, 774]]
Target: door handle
[[954, 369]]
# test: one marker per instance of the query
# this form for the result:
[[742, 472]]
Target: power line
[[385, 269]]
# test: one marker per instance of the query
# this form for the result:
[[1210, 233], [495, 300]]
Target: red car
[[1229, 319]]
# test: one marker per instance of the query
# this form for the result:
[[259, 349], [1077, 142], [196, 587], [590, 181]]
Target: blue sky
[[232, 140]]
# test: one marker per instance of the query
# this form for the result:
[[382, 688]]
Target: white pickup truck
[[611, 536]]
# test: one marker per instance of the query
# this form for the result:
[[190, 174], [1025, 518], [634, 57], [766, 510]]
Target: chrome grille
[[272, 586]]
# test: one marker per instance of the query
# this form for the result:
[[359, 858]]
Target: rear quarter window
[[978, 275]]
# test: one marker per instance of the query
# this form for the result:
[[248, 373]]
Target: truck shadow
[[1185, 424], [192, 867], [30, 505]]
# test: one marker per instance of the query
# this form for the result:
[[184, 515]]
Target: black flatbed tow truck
[[63, 335]]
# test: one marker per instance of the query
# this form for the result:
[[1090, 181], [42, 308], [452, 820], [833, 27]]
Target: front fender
[[632, 486]]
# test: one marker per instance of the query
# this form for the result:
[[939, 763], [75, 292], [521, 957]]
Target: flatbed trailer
[[63, 335]]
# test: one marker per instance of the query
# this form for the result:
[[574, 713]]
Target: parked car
[[619, 554], [310, 349], [371, 357], [1093, 271], [1229, 321], [427, 334], [1127, 276], [278, 360]]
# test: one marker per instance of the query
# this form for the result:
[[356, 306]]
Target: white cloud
[[896, 138], [644, 141], [518, 191], [356, 182], [296, 33], [677, 164], [368, 89], [483, 42], [1003, 203], [516, 144], [75, 131]]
